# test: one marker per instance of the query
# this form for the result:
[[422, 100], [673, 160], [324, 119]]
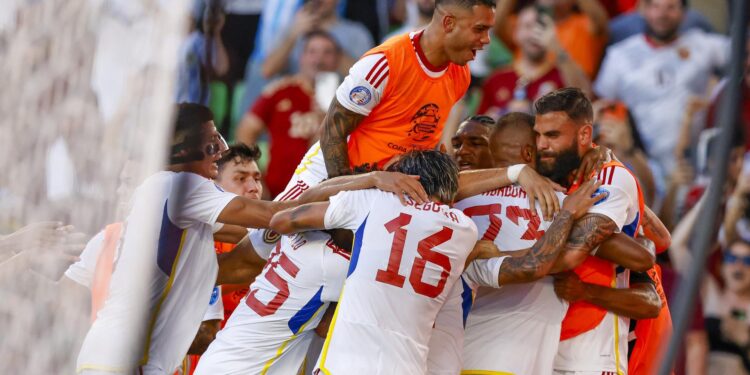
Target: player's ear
[[528, 154], [448, 22], [585, 134]]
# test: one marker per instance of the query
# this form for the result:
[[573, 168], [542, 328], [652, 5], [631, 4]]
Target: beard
[[565, 163], [664, 36]]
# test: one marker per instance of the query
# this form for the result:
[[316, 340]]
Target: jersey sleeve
[[621, 195], [215, 309], [263, 241], [82, 271], [348, 209], [202, 201], [484, 272], [363, 88]]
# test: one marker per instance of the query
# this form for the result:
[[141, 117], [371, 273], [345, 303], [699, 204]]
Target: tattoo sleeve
[[539, 260], [587, 233], [337, 125]]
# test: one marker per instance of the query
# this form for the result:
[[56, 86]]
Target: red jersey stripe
[[382, 78], [375, 67], [383, 68]]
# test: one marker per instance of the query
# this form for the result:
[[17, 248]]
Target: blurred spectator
[[633, 22], [542, 66], [317, 15], [744, 119], [425, 9], [582, 34], [375, 15], [275, 18], [194, 71], [614, 130], [728, 313], [656, 73], [288, 110]]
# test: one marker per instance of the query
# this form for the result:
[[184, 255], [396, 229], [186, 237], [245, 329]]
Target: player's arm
[[239, 266], [539, 260], [306, 217], [655, 230], [628, 252], [587, 233], [337, 125], [206, 334], [640, 301], [251, 213], [230, 234], [537, 187], [394, 182]]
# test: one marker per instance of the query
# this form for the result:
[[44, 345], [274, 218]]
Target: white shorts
[[247, 346]]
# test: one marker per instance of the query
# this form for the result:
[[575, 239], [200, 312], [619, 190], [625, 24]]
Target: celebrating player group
[[527, 250]]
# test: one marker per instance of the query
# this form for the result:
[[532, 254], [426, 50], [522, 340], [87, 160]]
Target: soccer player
[[593, 340], [163, 279], [394, 290], [523, 307]]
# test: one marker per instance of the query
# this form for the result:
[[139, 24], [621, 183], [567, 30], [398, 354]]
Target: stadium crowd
[[428, 186]]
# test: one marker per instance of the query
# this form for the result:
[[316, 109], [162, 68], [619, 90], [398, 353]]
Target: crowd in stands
[[655, 68]]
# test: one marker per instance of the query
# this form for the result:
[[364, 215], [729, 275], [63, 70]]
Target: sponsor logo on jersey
[[214, 296], [270, 236], [424, 122], [601, 191], [360, 95]]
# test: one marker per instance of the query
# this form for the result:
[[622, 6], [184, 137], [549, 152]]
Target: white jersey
[[594, 350], [310, 172], [514, 328], [166, 264], [405, 261], [656, 82], [272, 327]]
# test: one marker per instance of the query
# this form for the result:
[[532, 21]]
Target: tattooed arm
[[337, 125], [586, 235], [656, 231], [538, 261], [309, 216]]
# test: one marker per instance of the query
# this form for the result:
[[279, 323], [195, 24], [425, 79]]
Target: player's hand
[[542, 189], [579, 202], [593, 162], [402, 185], [569, 287]]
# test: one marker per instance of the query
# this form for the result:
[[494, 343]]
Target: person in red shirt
[[540, 67], [288, 111]]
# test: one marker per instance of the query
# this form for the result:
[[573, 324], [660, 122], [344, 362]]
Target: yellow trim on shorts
[[163, 297], [617, 334], [324, 351], [485, 372], [286, 342], [307, 161]]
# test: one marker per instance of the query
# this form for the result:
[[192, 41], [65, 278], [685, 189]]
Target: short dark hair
[[466, 3], [684, 3], [515, 119], [239, 153], [437, 172], [321, 34], [482, 120], [570, 100], [189, 119]]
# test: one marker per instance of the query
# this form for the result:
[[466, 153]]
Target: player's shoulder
[[617, 178]]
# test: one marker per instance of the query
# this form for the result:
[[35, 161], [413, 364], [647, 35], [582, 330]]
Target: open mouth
[[464, 165]]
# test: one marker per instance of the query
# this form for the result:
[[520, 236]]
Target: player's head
[[239, 172], [523, 34], [736, 267], [513, 140], [320, 53], [466, 27], [437, 172], [563, 125], [196, 145], [663, 18], [471, 144]]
